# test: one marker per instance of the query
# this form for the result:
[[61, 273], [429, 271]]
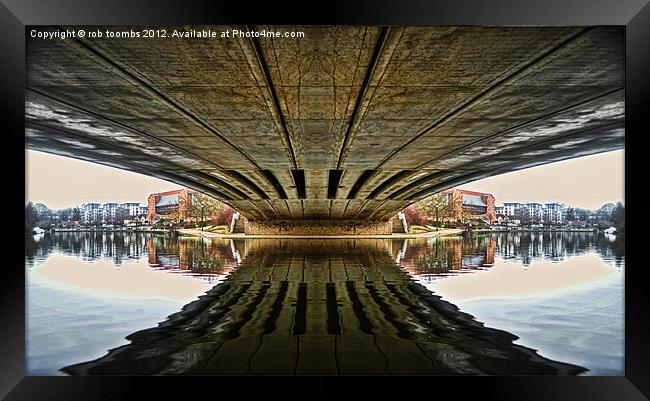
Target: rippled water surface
[[506, 303]]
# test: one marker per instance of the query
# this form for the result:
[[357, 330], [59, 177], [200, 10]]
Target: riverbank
[[534, 230], [433, 234], [130, 230]]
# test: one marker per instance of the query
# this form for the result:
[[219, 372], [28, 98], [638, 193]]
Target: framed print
[[239, 195]]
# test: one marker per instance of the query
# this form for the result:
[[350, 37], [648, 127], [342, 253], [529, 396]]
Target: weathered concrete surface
[[329, 235], [319, 227], [349, 123]]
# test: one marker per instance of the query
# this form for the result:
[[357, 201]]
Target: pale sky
[[61, 182], [587, 182]]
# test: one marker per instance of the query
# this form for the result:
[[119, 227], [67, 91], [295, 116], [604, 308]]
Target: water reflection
[[556, 246], [323, 306], [89, 246], [434, 259], [320, 307], [445, 256], [202, 258]]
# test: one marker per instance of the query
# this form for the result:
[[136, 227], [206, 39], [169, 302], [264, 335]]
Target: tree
[[435, 205], [201, 206], [66, 214], [577, 214], [174, 215], [413, 215], [618, 217], [605, 211], [121, 214], [522, 215], [31, 216], [570, 214], [224, 216], [44, 216]]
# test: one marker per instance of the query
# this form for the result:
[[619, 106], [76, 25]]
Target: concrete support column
[[318, 227]]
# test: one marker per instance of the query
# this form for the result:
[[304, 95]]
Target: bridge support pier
[[319, 227]]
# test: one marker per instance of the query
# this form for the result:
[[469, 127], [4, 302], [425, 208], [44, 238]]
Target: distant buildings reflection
[[437, 258]]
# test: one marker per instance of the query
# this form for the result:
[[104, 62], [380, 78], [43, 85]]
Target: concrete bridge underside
[[341, 128]]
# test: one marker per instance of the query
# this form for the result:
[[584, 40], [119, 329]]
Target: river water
[[500, 303]]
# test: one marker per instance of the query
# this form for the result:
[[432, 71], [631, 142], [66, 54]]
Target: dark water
[[112, 303]]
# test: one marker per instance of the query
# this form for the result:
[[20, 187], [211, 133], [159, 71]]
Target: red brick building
[[168, 204], [470, 205]]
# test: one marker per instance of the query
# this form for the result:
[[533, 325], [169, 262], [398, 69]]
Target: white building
[[134, 209], [91, 212], [535, 211], [109, 211], [549, 212], [554, 212], [510, 209]]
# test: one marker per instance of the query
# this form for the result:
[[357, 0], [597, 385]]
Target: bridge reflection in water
[[322, 307]]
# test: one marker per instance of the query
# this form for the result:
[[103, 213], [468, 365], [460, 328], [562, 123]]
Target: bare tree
[[202, 206], [435, 206], [31, 217], [618, 217], [121, 214]]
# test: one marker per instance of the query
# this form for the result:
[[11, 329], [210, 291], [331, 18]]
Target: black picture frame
[[633, 14]]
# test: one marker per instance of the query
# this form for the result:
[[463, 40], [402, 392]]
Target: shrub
[[414, 217]]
